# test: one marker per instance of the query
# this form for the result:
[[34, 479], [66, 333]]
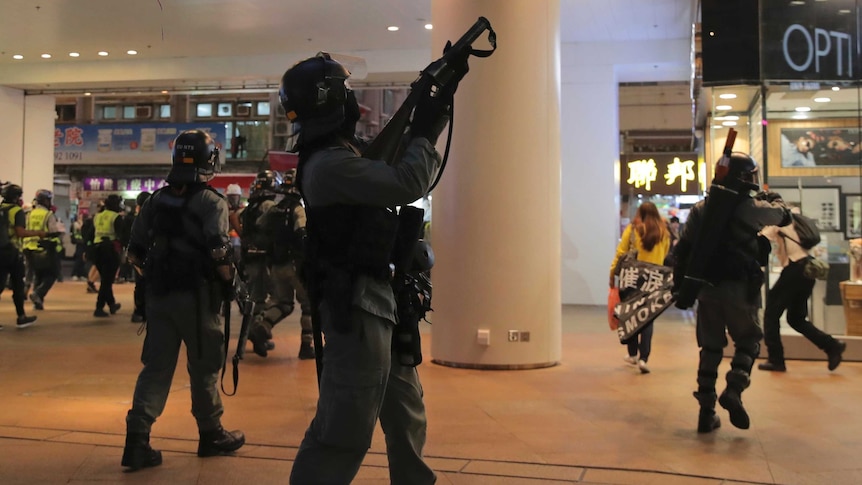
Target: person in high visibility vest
[[11, 260], [109, 224], [41, 251]]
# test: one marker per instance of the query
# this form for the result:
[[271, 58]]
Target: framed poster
[[851, 215], [819, 147], [823, 204]]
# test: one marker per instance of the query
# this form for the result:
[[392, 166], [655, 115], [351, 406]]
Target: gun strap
[[317, 336], [226, 306]]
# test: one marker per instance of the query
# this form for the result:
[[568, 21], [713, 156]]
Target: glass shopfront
[[801, 118]]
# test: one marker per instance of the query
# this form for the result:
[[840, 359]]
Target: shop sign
[[811, 40], [665, 174], [123, 144], [134, 184]]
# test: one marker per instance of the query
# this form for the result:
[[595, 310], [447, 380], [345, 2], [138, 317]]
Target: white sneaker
[[643, 367], [631, 359]]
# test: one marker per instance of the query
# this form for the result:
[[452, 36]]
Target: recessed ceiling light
[[46, 56], [392, 28], [800, 116], [711, 33], [716, 126], [428, 26], [822, 100], [803, 109], [74, 54], [728, 123], [797, 2], [103, 53], [724, 107], [836, 88], [727, 96], [17, 57], [131, 52], [164, 92], [86, 94], [844, 11]]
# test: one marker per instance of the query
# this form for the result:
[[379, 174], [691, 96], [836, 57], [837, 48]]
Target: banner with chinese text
[[122, 144], [645, 292], [660, 173]]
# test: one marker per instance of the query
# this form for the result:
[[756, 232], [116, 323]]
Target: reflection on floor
[[68, 379]]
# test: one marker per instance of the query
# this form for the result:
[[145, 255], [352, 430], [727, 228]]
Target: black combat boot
[[218, 441], [707, 420], [306, 351], [138, 454], [259, 335], [731, 399]]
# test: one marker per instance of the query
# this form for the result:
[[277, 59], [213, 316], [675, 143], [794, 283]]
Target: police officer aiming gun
[[180, 238], [351, 231]]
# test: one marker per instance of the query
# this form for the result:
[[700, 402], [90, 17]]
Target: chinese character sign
[[148, 144], [662, 174]]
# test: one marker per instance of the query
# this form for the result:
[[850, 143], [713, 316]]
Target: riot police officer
[[350, 233], [140, 311], [109, 226], [256, 244], [41, 251], [286, 224], [11, 259], [730, 300], [180, 238]]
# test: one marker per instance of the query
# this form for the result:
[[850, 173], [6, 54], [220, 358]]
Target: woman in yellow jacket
[[652, 240]]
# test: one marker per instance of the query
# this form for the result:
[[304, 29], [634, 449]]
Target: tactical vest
[[253, 237], [176, 258], [355, 239], [38, 221], [104, 222], [287, 240]]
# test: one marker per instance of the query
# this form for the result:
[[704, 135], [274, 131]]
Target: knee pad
[[710, 359], [738, 379]]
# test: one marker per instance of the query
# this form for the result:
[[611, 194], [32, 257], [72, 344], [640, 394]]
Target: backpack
[[5, 229], [806, 229]]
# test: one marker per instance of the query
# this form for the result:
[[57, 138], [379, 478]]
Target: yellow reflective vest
[[37, 220], [104, 222]]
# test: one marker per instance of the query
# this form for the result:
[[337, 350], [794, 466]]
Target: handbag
[[631, 255], [815, 269], [613, 301]]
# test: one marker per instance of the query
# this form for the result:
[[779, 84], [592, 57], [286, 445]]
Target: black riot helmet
[[265, 184], [114, 203], [44, 197], [12, 193], [315, 95], [737, 172], [195, 157], [141, 198]]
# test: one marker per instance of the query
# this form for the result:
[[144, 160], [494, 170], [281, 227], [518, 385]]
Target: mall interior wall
[[12, 135]]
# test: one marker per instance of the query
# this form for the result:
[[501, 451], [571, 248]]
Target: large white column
[[39, 115], [11, 135], [590, 153], [496, 218]]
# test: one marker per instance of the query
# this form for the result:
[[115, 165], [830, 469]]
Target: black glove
[[52, 234], [432, 114]]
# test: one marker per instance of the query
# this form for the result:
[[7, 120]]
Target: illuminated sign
[[660, 173]]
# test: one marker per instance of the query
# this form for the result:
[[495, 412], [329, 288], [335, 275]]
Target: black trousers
[[790, 293], [107, 262], [12, 266]]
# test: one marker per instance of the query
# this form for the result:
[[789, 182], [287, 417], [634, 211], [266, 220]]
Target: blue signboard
[[123, 144]]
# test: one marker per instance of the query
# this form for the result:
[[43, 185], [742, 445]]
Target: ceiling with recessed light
[[168, 33]]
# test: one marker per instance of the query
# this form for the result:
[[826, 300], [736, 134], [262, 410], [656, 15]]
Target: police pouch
[[411, 287]]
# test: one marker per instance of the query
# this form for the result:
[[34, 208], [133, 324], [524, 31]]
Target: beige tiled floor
[[67, 382]]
